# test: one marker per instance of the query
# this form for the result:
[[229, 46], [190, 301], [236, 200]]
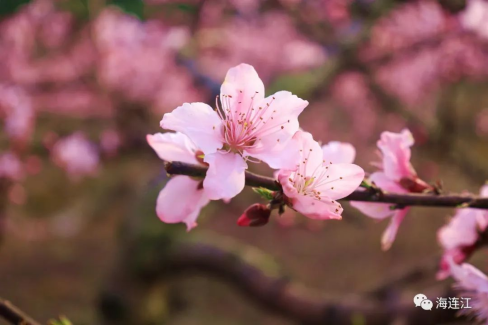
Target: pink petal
[[469, 277], [181, 201], [462, 230], [281, 112], [378, 211], [199, 122], [385, 183], [342, 180], [317, 209], [241, 89], [225, 176], [324, 209], [484, 191], [338, 152], [173, 147], [390, 233], [374, 210], [309, 150], [280, 158], [396, 154]]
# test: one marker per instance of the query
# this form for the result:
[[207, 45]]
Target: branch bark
[[14, 315], [401, 200], [280, 295]]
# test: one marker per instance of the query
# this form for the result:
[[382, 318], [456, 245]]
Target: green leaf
[[62, 320], [365, 184], [263, 192], [133, 7], [8, 7]]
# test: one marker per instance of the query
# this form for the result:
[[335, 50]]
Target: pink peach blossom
[[245, 125], [77, 155], [181, 200], [315, 185], [475, 17], [472, 283], [339, 152], [398, 176], [10, 166], [458, 238]]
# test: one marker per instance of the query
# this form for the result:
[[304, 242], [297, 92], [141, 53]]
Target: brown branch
[[278, 294], [14, 315], [401, 200]]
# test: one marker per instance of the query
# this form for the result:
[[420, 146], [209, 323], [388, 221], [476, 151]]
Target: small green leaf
[[463, 205], [365, 184], [263, 192], [62, 320]]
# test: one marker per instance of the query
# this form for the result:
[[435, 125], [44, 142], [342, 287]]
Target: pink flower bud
[[255, 215]]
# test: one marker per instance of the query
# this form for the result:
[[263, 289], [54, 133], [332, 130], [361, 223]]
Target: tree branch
[[14, 315], [402, 200], [278, 294]]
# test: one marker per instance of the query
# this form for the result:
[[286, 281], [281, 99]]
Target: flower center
[[244, 127]]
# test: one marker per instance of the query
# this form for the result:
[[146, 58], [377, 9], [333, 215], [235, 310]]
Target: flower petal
[[374, 210], [225, 175], [276, 123], [385, 183], [390, 233], [396, 154], [342, 179], [241, 89], [173, 147], [199, 122], [323, 209], [462, 229], [281, 158], [181, 201], [469, 277], [338, 152], [484, 191]]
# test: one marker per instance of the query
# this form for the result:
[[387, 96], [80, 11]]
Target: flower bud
[[255, 215], [414, 184]]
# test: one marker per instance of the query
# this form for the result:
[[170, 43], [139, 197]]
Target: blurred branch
[[282, 296], [14, 315], [370, 195], [4, 188]]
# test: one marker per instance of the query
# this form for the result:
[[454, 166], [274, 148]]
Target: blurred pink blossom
[[475, 17], [472, 284], [10, 166], [269, 42], [110, 141], [137, 60], [77, 155], [16, 106], [458, 238]]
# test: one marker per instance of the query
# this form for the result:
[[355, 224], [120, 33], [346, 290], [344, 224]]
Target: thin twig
[[401, 200], [14, 315]]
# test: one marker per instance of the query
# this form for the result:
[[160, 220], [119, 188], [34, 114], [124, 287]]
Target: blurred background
[[83, 81]]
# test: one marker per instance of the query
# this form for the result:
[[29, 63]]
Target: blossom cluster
[[248, 127]]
